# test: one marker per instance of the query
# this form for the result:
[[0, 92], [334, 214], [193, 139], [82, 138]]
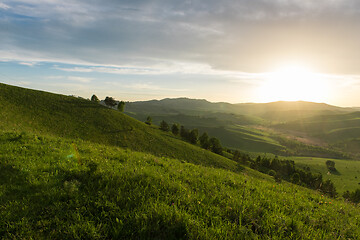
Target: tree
[[204, 141], [295, 178], [193, 136], [328, 188], [109, 101], [148, 120], [94, 98], [184, 133], [175, 129], [215, 146], [331, 166], [164, 126], [121, 106]]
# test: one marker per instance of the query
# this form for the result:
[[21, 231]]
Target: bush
[[164, 126], [148, 120], [121, 106], [175, 129]]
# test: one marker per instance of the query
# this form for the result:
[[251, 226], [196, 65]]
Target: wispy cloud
[[4, 6], [30, 64], [246, 36]]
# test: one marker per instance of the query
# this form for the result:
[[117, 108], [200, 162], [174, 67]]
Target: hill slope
[[54, 188], [60, 181], [58, 115]]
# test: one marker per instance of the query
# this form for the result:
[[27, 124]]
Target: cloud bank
[[246, 36]]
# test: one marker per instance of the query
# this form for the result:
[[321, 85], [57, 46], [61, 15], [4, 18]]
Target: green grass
[[72, 169], [349, 171], [55, 188], [63, 116]]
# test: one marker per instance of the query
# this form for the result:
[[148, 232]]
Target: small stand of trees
[[175, 129], [164, 126], [213, 144], [109, 101], [94, 98], [286, 170], [352, 196]]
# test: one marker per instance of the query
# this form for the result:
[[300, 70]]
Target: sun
[[292, 83]]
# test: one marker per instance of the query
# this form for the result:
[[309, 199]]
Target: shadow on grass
[[82, 204]]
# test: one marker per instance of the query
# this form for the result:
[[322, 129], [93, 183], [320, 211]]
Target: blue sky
[[217, 50]]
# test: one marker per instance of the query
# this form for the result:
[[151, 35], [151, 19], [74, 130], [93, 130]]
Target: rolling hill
[[340, 131], [244, 126], [65, 116], [73, 169]]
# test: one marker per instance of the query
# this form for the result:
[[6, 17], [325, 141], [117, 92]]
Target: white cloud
[[4, 6], [30, 64]]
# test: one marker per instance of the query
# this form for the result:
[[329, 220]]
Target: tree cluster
[[331, 166], [111, 102], [213, 144], [352, 196], [286, 170]]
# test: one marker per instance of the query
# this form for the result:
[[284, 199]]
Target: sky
[[229, 50]]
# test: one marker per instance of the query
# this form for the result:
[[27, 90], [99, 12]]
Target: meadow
[[53, 188], [73, 169], [347, 177]]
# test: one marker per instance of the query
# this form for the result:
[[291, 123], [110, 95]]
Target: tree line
[[191, 135], [110, 102], [286, 170]]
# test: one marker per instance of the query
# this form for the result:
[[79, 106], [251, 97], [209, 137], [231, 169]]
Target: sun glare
[[292, 83]]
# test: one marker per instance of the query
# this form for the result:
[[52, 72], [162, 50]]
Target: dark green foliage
[[109, 101], [328, 188], [277, 177], [94, 98], [193, 136], [204, 141], [352, 196], [272, 173], [121, 106], [295, 178], [164, 126], [331, 166], [175, 129], [286, 170], [184, 133], [241, 157], [148, 120], [215, 146]]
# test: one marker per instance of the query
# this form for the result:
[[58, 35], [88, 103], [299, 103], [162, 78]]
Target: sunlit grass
[[109, 192]]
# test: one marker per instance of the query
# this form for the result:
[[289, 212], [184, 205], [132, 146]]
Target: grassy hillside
[[236, 125], [55, 188], [347, 177], [58, 115], [340, 131]]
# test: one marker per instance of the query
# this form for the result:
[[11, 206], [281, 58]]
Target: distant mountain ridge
[[273, 111]]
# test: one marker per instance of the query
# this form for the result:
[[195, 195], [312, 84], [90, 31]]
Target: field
[[73, 169], [73, 189], [347, 178], [73, 118]]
